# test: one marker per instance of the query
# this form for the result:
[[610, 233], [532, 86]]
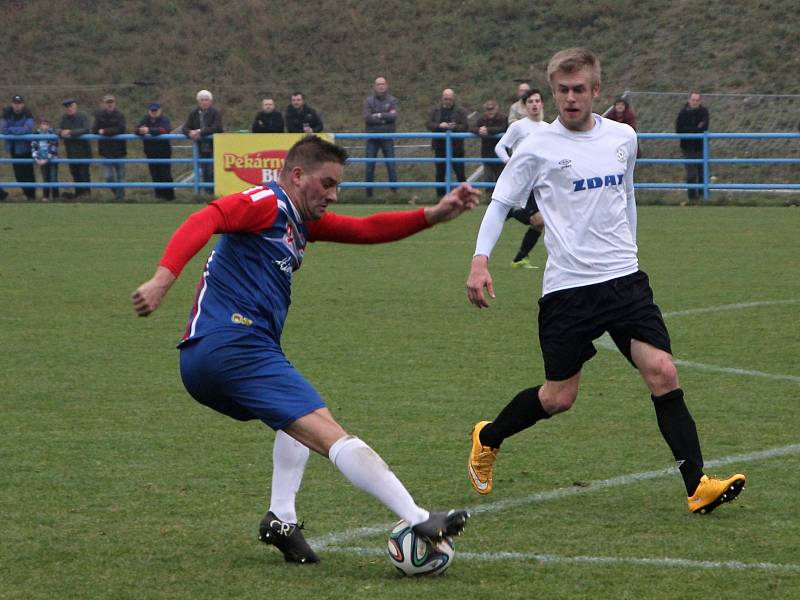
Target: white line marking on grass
[[733, 565], [720, 308], [734, 371], [323, 542], [606, 343]]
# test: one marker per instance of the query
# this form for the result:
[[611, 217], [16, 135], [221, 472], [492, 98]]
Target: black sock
[[522, 412], [678, 429], [528, 242]]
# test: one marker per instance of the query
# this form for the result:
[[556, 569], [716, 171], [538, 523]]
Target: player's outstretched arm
[[463, 198], [147, 297], [479, 278]]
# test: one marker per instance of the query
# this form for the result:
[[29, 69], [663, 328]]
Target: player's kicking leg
[[365, 469]]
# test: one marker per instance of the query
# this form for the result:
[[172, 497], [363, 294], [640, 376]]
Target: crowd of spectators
[[380, 114]]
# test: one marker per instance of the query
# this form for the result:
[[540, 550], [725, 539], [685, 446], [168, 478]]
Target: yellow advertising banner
[[244, 160]]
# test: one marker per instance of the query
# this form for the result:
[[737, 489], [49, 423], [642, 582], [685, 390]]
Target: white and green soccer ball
[[413, 555]]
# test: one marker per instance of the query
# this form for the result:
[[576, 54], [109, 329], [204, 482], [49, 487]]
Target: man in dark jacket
[[300, 117], [489, 125], [448, 116], [693, 118], [268, 120], [202, 122], [109, 122], [380, 116], [74, 124], [18, 120], [154, 124]]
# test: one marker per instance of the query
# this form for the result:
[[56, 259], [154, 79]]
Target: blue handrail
[[195, 161]]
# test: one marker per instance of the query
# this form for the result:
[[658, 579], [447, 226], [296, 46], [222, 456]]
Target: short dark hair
[[301, 94], [311, 152], [530, 93]]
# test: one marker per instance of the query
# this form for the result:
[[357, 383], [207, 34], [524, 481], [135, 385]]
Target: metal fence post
[[196, 168], [706, 166], [448, 151]]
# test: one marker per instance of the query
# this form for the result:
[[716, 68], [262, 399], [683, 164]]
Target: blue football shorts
[[246, 377]]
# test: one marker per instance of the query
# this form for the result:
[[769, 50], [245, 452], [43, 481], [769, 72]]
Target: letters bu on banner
[[242, 160]]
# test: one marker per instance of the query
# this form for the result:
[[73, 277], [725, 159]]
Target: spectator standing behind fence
[[490, 124], [300, 117], [517, 110], [44, 152], [621, 112], [380, 116], [268, 120], [154, 124], [202, 122], [18, 120], [109, 122], [74, 124], [448, 116], [693, 118]]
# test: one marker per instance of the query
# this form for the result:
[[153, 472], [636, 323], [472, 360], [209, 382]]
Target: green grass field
[[115, 484]]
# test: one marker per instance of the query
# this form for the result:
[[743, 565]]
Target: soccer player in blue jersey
[[230, 354], [580, 171]]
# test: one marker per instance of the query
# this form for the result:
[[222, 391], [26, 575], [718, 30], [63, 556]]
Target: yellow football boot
[[481, 460], [710, 493]]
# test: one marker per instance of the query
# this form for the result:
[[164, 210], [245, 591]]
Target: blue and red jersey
[[247, 280]]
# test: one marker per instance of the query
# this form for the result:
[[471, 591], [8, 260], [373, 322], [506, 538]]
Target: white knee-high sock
[[289, 458], [367, 471]]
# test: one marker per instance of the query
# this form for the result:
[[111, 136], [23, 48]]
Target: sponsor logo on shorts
[[240, 319]]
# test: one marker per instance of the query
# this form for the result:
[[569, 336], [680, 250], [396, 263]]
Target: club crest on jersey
[[621, 154], [580, 185]]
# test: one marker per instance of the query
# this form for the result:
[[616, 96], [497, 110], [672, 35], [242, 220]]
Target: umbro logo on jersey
[[596, 182], [565, 163]]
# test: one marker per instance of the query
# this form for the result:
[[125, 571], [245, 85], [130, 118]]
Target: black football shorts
[[570, 320]]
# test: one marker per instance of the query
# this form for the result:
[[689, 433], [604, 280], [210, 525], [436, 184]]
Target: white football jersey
[[516, 132], [583, 185]]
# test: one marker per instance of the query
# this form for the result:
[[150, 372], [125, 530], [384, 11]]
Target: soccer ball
[[412, 555]]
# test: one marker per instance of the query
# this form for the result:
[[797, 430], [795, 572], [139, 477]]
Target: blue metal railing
[[448, 159]]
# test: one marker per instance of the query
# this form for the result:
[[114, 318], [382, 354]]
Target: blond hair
[[572, 60]]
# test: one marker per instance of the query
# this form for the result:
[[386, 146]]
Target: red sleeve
[[246, 212], [381, 227]]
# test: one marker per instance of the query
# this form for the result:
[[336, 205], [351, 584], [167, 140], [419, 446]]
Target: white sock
[[367, 471], [289, 458]]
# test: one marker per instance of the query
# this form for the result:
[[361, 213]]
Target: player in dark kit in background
[[580, 169], [231, 358]]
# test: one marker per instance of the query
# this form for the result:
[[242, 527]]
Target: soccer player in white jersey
[[580, 169], [529, 216]]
